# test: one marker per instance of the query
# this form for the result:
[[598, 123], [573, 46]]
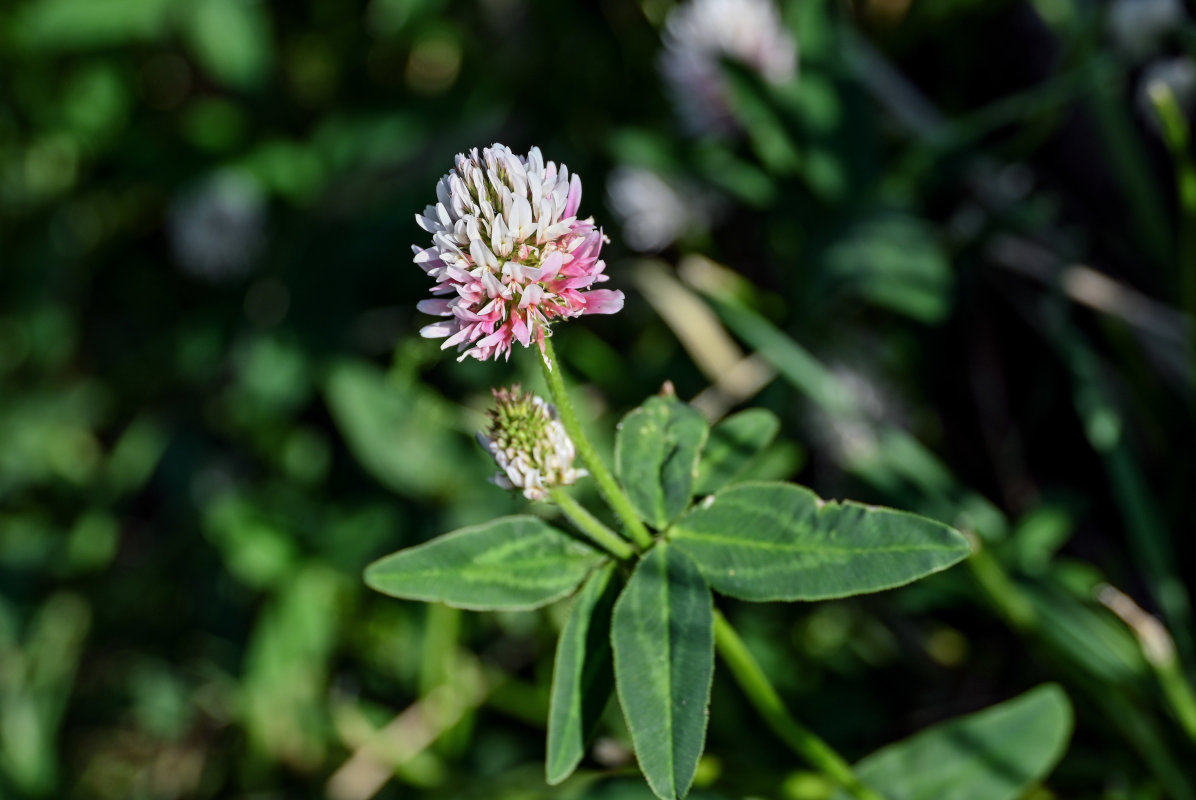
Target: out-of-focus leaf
[[397, 430], [508, 563], [86, 24], [160, 699], [894, 261], [369, 140], [1090, 636], [231, 39], [92, 543], [779, 541], [272, 375], [734, 443], [738, 177], [663, 638], [96, 105], [286, 668], [135, 456], [34, 690], [49, 435], [757, 110], [291, 169], [656, 457], [994, 754], [255, 549], [1037, 537], [582, 677]]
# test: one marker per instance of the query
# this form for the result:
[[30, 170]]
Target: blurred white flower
[[1177, 75], [529, 444], [699, 34], [217, 227], [1138, 27], [655, 212]]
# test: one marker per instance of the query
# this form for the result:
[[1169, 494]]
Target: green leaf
[[733, 444], [582, 678], [779, 541], [66, 25], [508, 563], [894, 261], [287, 665], [398, 429], [232, 40], [656, 457], [994, 754], [663, 638]]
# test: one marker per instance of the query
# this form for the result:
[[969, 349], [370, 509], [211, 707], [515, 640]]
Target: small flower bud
[[529, 444]]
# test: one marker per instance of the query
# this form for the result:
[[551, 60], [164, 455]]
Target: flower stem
[[768, 703], [591, 526], [606, 482]]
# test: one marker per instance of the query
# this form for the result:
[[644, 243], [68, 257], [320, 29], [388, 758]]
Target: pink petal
[[519, 328], [437, 308], [551, 265], [496, 338], [604, 301], [574, 200], [467, 332], [437, 330]]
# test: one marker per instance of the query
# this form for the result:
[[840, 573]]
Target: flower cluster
[[509, 254], [529, 444], [699, 34]]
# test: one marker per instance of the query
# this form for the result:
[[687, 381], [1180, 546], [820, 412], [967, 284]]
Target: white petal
[[482, 255], [531, 295]]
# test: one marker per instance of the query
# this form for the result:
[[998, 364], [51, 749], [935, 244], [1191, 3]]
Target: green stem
[[1179, 694], [590, 525], [1018, 611], [606, 482], [1177, 136], [764, 697]]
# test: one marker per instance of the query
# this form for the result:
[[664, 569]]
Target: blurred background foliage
[[956, 255]]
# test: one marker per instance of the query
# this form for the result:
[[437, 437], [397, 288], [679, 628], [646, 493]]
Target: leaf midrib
[[505, 577], [773, 545], [668, 666]]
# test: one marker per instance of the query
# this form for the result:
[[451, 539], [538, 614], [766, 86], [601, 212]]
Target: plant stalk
[[611, 493], [1178, 136], [764, 697], [591, 526]]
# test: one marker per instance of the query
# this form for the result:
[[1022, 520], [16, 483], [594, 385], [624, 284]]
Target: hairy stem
[[591, 526], [610, 490]]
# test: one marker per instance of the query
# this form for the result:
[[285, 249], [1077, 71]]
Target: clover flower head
[[529, 444], [699, 34], [509, 254]]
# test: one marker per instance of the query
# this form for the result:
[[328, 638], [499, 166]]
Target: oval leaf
[[994, 754], [656, 457], [582, 677], [779, 541], [508, 563], [663, 638], [398, 430], [733, 444]]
